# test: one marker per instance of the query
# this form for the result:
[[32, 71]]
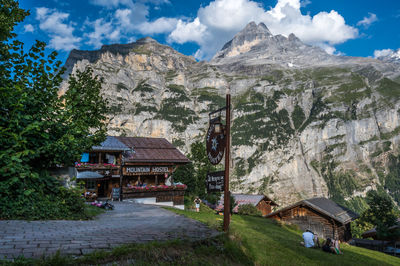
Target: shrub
[[39, 198], [249, 209]]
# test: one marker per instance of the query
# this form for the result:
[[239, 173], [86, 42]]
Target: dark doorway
[[102, 188]]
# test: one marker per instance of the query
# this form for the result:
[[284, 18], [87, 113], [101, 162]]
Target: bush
[[213, 198], [40, 198], [249, 209]]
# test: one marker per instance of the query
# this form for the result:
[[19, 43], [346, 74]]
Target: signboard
[[215, 181], [115, 193], [145, 170], [215, 144]]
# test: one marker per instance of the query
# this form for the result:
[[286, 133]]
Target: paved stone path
[[127, 223]]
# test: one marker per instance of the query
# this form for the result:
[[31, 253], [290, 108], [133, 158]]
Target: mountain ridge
[[329, 129]]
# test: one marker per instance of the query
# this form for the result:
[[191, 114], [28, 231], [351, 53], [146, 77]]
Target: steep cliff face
[[305, 123]]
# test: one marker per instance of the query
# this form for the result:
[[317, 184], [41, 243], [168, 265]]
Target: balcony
[[161, 193]]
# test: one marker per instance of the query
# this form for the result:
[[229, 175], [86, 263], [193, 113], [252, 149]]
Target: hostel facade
[[132, 167]]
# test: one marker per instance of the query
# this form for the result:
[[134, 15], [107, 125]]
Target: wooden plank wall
[[307, 218], [264, 207], [176, 196]]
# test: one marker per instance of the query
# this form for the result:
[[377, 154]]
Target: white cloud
[[161, 25], [384, 52], [229, 14], [216, 24], [305, 3], [188, 32], [28, 28], [41, 12], [328, 48], [126, 21], [61, 33], [102, 30], [367, 21], [66, 43], [135, 20], [122, 15]]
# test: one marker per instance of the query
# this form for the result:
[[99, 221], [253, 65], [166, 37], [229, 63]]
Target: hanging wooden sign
[[215, 144]]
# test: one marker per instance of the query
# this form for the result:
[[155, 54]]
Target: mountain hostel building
[[132, 168]]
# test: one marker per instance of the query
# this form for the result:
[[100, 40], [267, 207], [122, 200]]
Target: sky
[[367, 28]]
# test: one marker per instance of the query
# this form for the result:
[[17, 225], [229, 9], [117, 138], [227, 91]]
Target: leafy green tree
[[380, 214], [185, 174], [359, 226], [249, 209], [38, 128], [194, 174]]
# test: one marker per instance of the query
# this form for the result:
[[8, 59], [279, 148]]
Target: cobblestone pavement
[[127, 223]]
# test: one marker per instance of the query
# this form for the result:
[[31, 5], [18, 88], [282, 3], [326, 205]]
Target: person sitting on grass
[[310, 239], [332, 246]]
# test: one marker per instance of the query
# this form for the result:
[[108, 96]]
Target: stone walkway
[[127, 223]]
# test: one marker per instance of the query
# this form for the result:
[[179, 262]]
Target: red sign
[[215, 143]]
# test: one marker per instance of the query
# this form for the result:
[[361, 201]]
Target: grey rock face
[[305, 123], [393, 57]]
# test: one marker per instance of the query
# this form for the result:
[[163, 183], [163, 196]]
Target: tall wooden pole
[[227, 158]]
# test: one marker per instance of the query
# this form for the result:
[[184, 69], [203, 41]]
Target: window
[[90, 184], [93, 157]]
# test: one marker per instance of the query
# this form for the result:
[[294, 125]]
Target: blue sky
[[200, 28]]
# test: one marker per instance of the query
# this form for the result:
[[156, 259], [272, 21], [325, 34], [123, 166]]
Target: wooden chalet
[[262, 202], [373, 233], [320, 215], [135, 167]]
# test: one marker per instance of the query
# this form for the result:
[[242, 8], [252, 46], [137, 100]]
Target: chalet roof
[[152, 150], [111, 144], [324, 206], [242, 199], [251, 199]]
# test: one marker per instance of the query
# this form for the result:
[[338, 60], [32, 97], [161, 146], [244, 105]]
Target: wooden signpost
[[218, 143]]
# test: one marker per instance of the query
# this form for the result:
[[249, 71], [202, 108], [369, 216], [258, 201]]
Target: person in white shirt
[[310, 239]]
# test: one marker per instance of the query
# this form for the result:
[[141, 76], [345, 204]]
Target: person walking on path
[[197, 202]]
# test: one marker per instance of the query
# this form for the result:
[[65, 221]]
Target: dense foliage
[[38, 128], [249, 209], [380, 214], [194, 174]]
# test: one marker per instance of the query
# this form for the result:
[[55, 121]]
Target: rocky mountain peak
[[252, 34], [393, 57], [146, 40], [293, 38], [256, 45], [253, 29]]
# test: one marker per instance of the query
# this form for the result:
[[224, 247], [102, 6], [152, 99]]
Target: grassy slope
[[267, 242], [252, 240]]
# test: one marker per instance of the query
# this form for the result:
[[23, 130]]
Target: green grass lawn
[[92, 211], [267, 242], [251, 241]]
